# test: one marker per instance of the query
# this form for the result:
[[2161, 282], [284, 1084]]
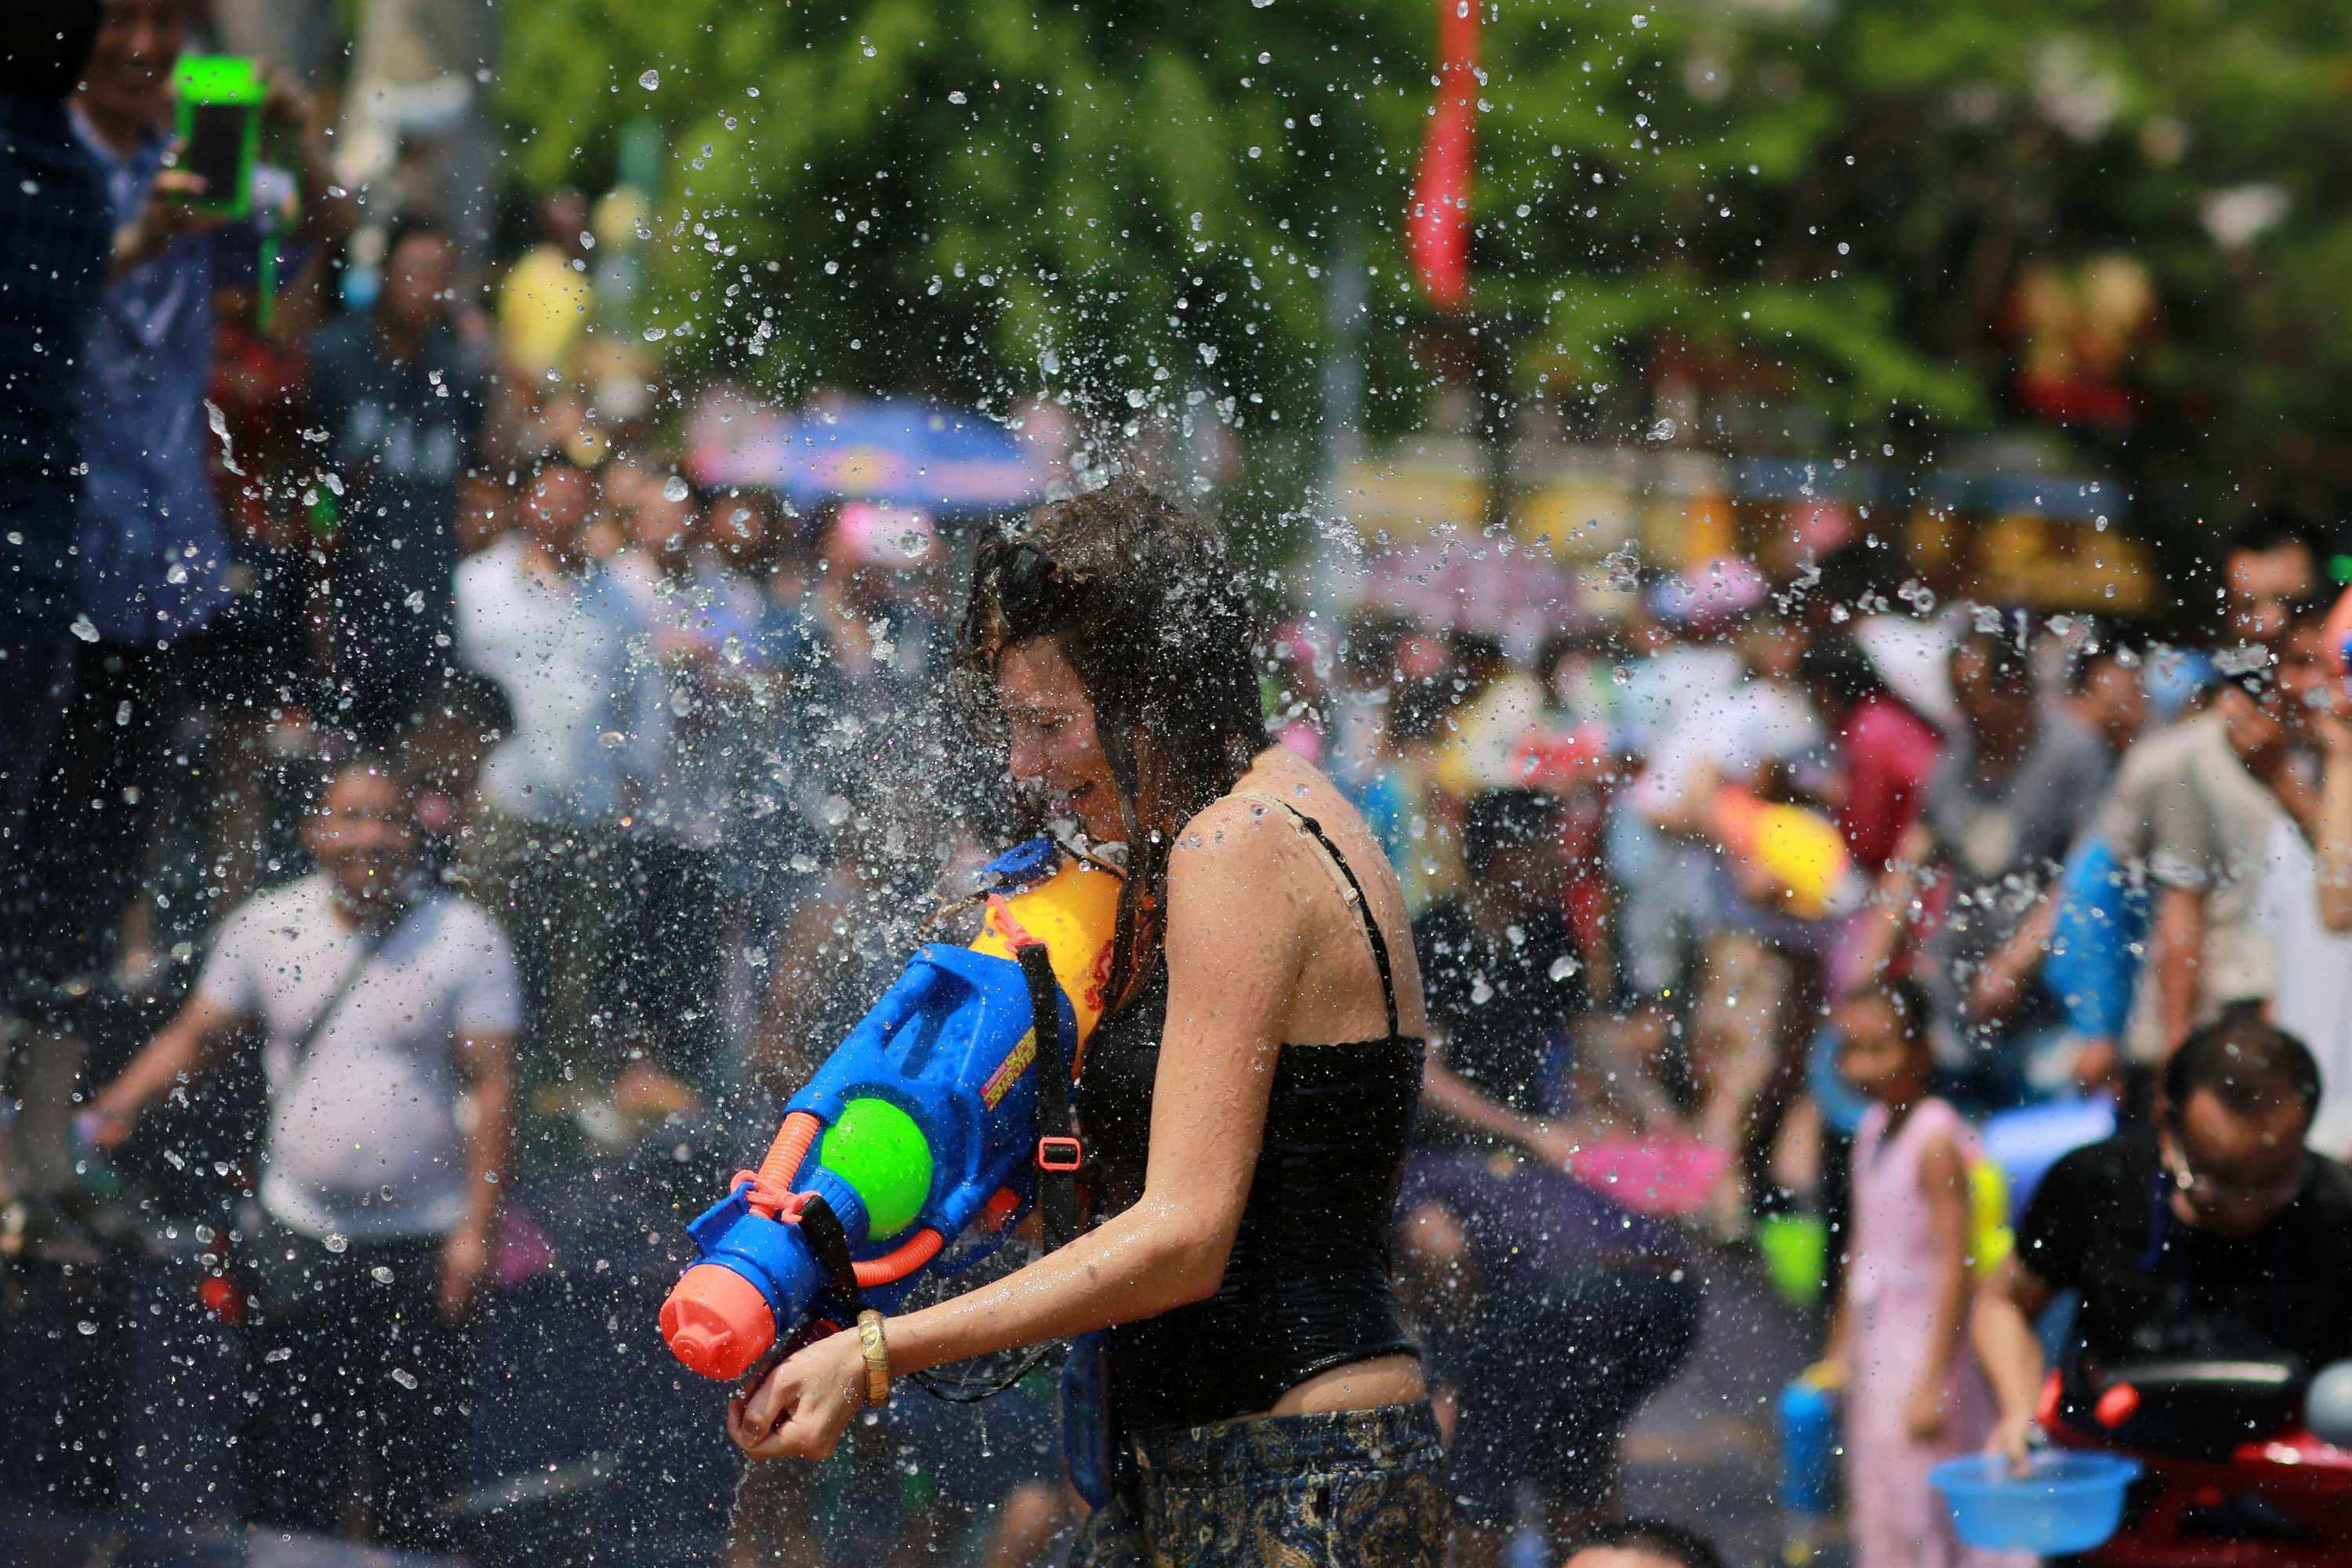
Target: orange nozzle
[[717, 1322]]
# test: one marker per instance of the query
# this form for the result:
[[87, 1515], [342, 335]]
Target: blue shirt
[[59, 247], [154, 555]]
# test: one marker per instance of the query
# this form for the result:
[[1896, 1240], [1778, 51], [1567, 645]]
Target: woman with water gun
[[1241, 1105]]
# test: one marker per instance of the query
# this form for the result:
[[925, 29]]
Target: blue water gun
[[930, 1118]]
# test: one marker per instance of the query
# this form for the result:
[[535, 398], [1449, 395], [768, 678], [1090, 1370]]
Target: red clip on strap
[[762, 1197], [1060, 1154]]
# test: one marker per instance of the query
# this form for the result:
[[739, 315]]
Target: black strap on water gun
[[1060, 1155], [830, 1242]]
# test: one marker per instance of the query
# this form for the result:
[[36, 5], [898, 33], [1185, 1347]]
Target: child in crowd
[[1914, 1392]]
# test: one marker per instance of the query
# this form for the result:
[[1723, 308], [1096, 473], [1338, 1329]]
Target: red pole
[[1437, 226]]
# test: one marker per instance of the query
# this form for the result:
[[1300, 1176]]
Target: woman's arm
[[1233, 950], [2002, 1330], [1943, 1189]]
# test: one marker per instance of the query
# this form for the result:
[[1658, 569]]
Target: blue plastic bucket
[[2065, 1500]]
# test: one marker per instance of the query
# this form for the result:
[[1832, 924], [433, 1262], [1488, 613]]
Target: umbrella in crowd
[[895, 452]]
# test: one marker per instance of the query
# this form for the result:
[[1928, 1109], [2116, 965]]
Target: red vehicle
[[2247, 1464]]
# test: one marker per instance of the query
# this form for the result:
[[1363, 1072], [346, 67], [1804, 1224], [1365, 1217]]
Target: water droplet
[[1137, 397], [403, 1376], [176, 574], [1261, 5], [1663, 430], [83, 629], [676, 489], [650, 80], [380, 1274], [655, 334], [1562, 967], [87, 1327], [958, 97], [338, 1243], [283, 1352]]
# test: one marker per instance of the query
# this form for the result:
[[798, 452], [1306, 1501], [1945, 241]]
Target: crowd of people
[[525, 800]]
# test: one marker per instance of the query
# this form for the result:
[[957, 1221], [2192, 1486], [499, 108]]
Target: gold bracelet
[[878, 1357]]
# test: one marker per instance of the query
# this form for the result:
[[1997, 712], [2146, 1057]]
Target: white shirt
[[570, 650], [1661, 691], [364, 1138], [2312, 1000], [1734, 730]]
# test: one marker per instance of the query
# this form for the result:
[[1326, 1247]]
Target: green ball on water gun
[[880, 1151]]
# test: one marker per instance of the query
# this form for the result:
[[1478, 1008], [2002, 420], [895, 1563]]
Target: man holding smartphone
[[150, 555], [55, 248]]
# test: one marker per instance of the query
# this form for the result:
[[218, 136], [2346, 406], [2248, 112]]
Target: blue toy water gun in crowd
[[943, 1109]]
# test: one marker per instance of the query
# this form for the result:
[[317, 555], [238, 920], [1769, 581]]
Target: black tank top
[[1306, 1285]]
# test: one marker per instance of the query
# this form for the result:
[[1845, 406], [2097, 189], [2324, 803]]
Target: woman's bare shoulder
[[1233, 829]]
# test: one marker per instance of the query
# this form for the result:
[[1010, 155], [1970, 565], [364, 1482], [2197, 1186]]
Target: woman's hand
[[2012, 1438], [813, 1392]]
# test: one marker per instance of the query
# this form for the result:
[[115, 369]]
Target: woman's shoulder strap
[[1343, 877]]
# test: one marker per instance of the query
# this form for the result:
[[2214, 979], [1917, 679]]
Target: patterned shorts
[[1353, 1488]]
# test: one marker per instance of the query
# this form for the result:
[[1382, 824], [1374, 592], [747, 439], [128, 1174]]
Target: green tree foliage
[[1826, 204]]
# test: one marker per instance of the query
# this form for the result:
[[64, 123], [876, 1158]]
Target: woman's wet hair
[[1143, 597], [2246, 1061]]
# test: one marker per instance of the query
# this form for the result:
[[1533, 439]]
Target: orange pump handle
[[771, 1182], [771, 1195]]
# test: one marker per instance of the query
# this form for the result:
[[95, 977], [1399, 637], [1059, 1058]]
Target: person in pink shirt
[[1914, 1392]]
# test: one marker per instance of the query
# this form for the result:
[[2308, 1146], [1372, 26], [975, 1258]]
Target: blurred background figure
[[381, 1003], [59, 254], [398, 393], [1899, 1344]]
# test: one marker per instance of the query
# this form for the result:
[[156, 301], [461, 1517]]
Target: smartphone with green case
[[219, 129]]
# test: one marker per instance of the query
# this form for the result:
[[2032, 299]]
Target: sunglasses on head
[[1033, 587]]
